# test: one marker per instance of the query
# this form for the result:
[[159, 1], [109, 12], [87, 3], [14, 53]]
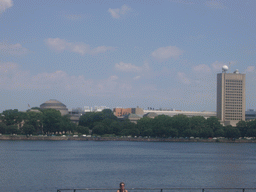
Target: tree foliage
[[105, 122]]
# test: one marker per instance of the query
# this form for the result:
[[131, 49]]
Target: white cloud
[[214, 4], [164, 53], [117, 13], [113, 77], [202, 68], [5, 4], [12, 49], [250, 69], [127, 67], [13, 78], [183, 78], [60, 45], [136, 78]]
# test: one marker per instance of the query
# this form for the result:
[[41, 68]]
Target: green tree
[[180, 123], [251, 131], [51, 120], [98, 129], [12, 117], [206, 133], [145, 126], [231, 132], [108, 114], [213, 123], [35, 119], [3, 128], [66, 124], [28, 129], [219, 133], [242, 126], [12, 129], [198, 124], [83, 130], [115, 126], [88, 119]]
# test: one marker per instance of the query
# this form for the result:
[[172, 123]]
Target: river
[[49, 165]]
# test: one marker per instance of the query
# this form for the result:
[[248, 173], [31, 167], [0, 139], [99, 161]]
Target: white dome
[[224, 68]]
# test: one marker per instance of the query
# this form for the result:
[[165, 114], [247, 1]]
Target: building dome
[[54, 104]]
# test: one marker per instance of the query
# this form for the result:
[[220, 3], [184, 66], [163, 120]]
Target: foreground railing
[[165, 189]]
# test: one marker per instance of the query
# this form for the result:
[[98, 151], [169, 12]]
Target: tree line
[[50, 121], [38, 121], [165, 126]]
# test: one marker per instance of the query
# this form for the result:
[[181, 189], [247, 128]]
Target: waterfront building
[[230, 97], [54, 104], [119, 112], [154, 113]]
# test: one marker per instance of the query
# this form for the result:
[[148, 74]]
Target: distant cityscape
[[230, 104]]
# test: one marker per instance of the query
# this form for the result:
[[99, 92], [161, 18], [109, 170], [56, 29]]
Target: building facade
[[119, 112], [230, 97]]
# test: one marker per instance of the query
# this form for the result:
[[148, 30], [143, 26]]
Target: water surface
[[49, 165]]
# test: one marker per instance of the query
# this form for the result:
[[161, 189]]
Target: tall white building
[[230, 97]]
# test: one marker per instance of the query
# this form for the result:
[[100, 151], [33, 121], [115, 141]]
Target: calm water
[[49, 165]]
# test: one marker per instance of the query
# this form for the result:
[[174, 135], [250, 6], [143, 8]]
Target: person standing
[[122, 188]]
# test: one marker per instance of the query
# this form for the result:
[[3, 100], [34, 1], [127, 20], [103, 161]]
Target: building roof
[[132, 116], [150, 115], [52, 103]]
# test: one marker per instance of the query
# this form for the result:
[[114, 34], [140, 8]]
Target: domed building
[[54, 104]]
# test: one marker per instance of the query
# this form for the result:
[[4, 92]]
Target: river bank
[[59, 138]]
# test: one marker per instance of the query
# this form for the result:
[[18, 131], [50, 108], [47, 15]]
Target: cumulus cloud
[[60, 45], [5, 4], [250, 69], [13, 78], [214, 4], [164, 53], [128, 67], [137, 77], [183, 78], [202, 68], [117, 13], [12, 49]]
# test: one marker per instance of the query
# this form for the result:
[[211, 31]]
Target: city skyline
[[154, 54]]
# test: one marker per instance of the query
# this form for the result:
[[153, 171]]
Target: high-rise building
[[230, 97]]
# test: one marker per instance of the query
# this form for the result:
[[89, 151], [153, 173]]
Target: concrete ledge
[[59, 138]]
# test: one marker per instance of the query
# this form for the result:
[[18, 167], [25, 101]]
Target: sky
[[159, 54]]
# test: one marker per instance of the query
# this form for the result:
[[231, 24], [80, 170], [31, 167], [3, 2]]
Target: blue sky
[[163, 54]]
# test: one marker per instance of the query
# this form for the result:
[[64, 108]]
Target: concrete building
[[205, 114], [119, 112], [54, 104], [230, 97]]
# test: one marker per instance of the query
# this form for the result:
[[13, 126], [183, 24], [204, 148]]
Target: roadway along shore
[[59, 138]]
